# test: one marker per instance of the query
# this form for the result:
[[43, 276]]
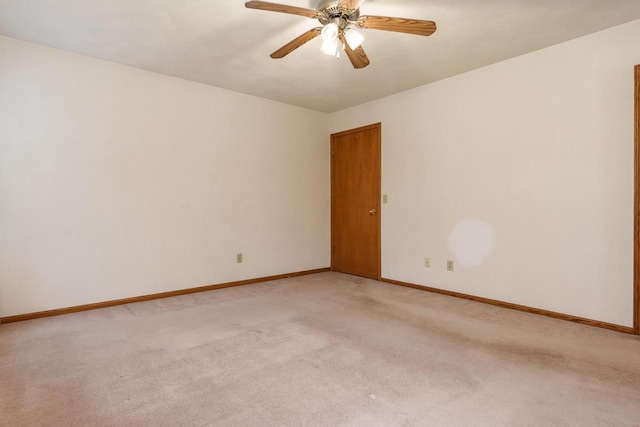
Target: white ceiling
[[221, 43]]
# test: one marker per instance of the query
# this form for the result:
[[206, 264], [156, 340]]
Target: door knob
[[372, 212]]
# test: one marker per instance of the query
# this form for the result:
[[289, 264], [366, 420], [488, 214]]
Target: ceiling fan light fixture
[[354, 38]]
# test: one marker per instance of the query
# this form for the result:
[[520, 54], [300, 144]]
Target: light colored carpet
[[321, 350]]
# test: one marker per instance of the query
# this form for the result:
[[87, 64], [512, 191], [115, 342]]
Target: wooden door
[[355, 201]]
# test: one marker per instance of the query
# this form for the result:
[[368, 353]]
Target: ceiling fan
[[338, 19]]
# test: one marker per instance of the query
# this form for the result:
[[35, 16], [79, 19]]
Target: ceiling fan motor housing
[[329, 10]]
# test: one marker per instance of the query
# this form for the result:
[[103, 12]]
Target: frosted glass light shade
[[330, 32], [354, 38]]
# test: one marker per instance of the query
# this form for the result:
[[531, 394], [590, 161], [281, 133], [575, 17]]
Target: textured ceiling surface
[[221, 43]]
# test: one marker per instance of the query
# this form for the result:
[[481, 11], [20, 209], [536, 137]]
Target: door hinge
[[333, 152], [333, 249]]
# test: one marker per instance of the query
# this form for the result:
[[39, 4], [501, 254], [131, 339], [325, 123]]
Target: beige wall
[[117, 182], [521, 172]]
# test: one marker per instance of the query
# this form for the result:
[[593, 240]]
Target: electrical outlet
[[427, 262], [449, 265], [239, 258]]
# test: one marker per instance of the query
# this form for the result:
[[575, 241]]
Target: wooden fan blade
[[296, 43], [283, 8], [358, 57], [351, 4], [400, 25]]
